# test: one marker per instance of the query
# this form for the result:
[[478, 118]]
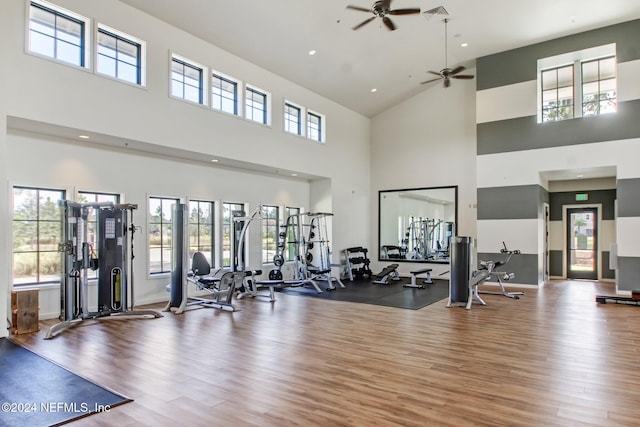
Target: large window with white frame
[[557, 93], [270, 227], [599, 85], [201, 229], [292, 118], [577, 84], [187, 80], [58, 34], [256, 105], [159, 229], [120, 56], [224, 94], [229, 210], [315, 126], [37, 231]]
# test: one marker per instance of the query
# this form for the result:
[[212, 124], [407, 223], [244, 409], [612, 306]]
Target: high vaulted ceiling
[[278, 34]]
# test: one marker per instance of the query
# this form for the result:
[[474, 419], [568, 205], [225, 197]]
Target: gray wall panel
[[521, 63], [524, 266], [516, 202], [606, 272], [525, 133], [629, 197], [607, 198], [555, 263], [628, 273]]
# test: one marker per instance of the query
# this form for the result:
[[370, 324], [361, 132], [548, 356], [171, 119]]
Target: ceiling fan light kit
[[380, 9], [446, 73]]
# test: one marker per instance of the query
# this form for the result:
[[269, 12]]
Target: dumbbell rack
[[357, 263]]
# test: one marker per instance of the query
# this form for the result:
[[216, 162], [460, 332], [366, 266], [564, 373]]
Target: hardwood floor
[[552, 358]]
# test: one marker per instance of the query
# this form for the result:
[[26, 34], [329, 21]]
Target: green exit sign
[[582, 197]]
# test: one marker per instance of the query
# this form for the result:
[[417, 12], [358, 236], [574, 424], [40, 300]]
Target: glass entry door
[[582, 246]]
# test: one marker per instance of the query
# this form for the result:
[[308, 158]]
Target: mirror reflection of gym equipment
[[109, 252], [416, 225]]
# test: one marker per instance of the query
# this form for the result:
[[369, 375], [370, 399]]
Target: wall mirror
[[417, 224]]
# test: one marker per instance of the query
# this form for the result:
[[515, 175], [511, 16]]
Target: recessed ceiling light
[[84, 136], [294, 174], [464, 44], [312, 52], [580, 176], [215, 160], [374, 90]]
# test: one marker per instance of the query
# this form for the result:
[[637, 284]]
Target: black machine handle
[[504, 250]]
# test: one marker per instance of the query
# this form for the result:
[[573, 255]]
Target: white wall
[[427, 141], [40, 91]]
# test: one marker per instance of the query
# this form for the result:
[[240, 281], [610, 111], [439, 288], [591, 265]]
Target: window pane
[[24, 267], [42, 21], [49, 266], [565, 76], [177, 71], [590, 91], [565, 95], [107, 65], [128, 73], [191, 93], [69, 30], [25, 236], [41, 44], [608, 68], [549, 97], [49, 235], [590, 71], [48, 205], [70, 53], [549, 79]]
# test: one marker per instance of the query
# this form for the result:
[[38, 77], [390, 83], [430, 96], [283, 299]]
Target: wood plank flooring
[[552, 358]]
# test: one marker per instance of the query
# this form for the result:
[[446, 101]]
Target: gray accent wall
[[515, 202], [556, 261], [607, 198], [525, 266], [629, 196], [628, 273], [525, 133], [606, 272], [521, 63]]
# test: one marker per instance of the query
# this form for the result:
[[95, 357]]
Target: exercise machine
[[357, 267], [634, 299], [108, 251], [414, 278], [499, 275], [388, 274], [251, 285], [307, 239], [464, 277], [220, 285]]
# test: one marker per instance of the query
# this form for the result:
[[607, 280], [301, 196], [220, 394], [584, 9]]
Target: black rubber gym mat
[[36, 392], [392, 295]]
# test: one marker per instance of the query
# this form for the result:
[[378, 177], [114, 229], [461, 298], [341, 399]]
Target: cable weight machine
[[108, 250]]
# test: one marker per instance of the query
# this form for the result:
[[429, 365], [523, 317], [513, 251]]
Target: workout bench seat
[[414, 276]]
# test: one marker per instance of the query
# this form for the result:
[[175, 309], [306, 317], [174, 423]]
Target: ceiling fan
[[448, 73], [381, 9]]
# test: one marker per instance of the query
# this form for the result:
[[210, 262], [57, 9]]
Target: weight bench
[[252, 286], [415, 274], [387, 274]]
